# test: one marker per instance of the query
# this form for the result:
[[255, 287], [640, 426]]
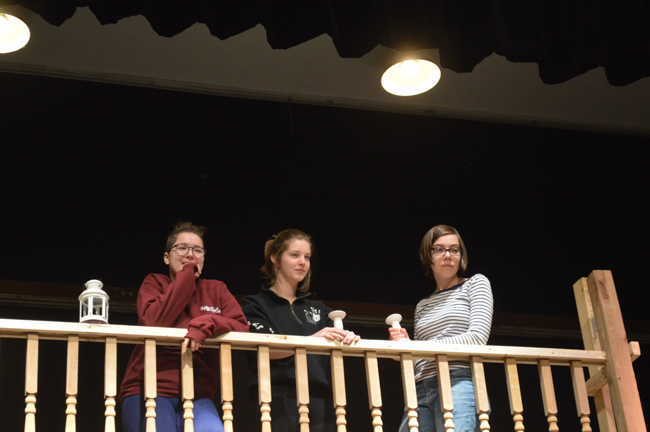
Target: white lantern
[[93, 304]]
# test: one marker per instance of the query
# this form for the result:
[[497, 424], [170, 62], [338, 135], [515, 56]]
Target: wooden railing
[[612, 380]]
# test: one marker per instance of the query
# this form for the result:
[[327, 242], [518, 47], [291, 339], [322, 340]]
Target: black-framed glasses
[[182, 250], [440, 251]]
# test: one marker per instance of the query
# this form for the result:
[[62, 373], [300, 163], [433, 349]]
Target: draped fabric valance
[[565, 39]]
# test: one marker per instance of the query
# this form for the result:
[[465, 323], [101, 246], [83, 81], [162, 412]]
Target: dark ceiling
[[565, 39]]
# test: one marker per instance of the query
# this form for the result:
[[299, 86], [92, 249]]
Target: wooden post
[[150, 383], [514, 393], [480, 393], [302, 388], [110, 383], [227, 395], [602, 398], [187, 388], [444, 390], [410, 394], [264, 386], [71, 383], [338, 389], [611, 332], [548, 394], [374, 390], [31, 382]]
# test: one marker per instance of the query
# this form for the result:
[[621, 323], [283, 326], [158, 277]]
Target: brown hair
[[275, 247], [430, 238], [182, 227]]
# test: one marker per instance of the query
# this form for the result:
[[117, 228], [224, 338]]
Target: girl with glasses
[[181, 299], [459, 311]]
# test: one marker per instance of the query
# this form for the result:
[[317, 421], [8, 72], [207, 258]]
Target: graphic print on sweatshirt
[[312, 315], [214, 310], [259, 327]]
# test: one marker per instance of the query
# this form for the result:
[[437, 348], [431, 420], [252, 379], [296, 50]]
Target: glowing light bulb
[[409, 67], [14, 34], [410, 77]]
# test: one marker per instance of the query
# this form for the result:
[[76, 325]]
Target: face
[[176, 262], [294, 262], [446, 265]]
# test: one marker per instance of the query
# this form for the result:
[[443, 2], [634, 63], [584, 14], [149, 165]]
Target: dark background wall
[[93, 176]]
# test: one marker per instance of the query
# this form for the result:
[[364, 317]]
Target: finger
[[185, 342]]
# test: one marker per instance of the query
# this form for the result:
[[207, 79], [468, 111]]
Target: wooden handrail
[[49, 330]]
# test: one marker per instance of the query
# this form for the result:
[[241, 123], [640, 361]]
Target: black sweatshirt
[[269, 313]]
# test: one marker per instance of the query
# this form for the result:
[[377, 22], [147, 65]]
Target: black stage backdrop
[[94, 175]]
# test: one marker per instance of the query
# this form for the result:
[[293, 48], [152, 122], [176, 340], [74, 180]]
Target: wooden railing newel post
[[623, 389]]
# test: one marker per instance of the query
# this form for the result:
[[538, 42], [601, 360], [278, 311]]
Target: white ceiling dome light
[[14, 34], [410, 77]]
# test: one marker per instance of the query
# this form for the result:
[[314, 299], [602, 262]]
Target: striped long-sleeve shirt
[[461, 314]]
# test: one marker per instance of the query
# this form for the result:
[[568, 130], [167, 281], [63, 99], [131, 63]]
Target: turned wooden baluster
[[187, 390], [548, 394], [444, 389], [514, 394], [338, 388], [227, 397], [480, 393], [264, 386], [110, 383], [302, 388], [150, 385], [31, 382], [71, 383], [580, 392], [374, 390], [410, 394]]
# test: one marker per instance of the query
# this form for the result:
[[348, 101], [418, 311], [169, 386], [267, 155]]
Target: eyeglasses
[[182, 250], [440, 251]]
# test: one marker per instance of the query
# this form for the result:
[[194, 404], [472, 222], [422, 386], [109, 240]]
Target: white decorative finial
[[394, 320], [337, 316]]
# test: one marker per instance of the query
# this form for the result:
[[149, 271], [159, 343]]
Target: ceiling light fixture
[[14, 34], [410, 77]]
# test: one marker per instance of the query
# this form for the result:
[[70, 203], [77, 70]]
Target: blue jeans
[[429, 412], [169, 415]]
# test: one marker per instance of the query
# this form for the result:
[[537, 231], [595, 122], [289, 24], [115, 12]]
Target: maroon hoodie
[[205, 308]]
